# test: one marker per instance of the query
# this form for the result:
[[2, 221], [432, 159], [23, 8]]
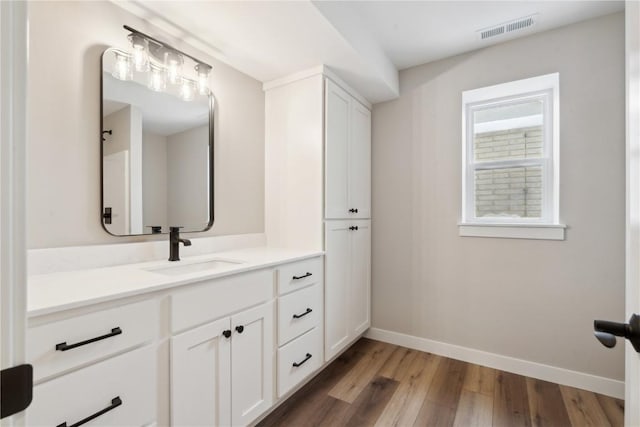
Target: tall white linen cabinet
[[318, 190]]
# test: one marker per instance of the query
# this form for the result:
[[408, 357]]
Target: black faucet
[[174, 243]]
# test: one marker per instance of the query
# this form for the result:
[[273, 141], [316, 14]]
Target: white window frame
[[548, 226]]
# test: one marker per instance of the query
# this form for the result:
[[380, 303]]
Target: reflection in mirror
[[157, 152]]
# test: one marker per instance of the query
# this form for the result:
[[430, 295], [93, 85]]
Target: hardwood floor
[[375, 383]]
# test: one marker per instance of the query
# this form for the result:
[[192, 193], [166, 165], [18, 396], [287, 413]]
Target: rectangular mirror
[[156, 151]]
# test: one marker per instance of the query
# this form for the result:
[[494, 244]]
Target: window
[[510, 160]]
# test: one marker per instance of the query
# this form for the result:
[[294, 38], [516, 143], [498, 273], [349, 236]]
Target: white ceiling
[[416, 32], [163, 113], [364, 42]]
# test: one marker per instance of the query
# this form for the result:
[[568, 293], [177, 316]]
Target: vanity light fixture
[[140, 52], [157, 78], [122, 67], [188, 89], [162, 63], [173, 64], [203, 71]]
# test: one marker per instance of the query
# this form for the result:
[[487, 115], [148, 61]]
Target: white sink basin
[[210, 265]]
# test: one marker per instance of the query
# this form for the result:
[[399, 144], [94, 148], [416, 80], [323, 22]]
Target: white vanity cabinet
[[348, 155], [201, 376], [222, 371], [251, 363], [348, 283], [98, 365], [300, 308], [318, 184], [196, 351], [61, 345], [117, 392], [347, 196]]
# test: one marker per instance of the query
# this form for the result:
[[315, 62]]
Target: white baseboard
[[527, 368]]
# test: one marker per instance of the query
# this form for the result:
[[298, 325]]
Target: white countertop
[[49, 293]]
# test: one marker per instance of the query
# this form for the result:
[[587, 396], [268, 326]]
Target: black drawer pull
[[302, 277], [298, 316], [353, 228], [63, 346], [353, 210], [303, 362], [115, 402]]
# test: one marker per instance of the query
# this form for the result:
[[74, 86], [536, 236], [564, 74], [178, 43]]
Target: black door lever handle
[[607, 340], [606, 331]]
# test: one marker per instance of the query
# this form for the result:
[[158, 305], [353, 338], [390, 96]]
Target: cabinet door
[[360, 298], [337, 134], [337, 285], [201, 376], [251, 363], [360, 161]]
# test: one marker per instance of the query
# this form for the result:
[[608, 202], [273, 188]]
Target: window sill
[[514, 231]]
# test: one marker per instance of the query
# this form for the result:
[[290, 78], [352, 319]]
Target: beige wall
[[187, 192], [63, 200], [154, 180], [485, 293]]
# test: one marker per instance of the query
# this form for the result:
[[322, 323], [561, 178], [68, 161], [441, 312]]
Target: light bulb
[[122, 67], [157, 78], [140, 52], [173, 64], [203, 71], [188, 90]]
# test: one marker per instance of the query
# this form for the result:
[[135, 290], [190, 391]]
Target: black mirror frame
[[211, 161]]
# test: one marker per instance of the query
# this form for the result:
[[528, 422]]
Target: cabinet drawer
[[299, 312], [306, 352], [299, 274], [217, 298], [131, 378], [118, 328]]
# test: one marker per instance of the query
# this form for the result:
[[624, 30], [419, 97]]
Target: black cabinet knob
[[226, 333], [352, 210], [354, 228], [240, 329]]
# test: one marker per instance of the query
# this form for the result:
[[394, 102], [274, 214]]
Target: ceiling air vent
[[507, 27], [496, 31]]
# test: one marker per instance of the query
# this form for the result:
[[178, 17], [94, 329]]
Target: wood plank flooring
[[379, 384]]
